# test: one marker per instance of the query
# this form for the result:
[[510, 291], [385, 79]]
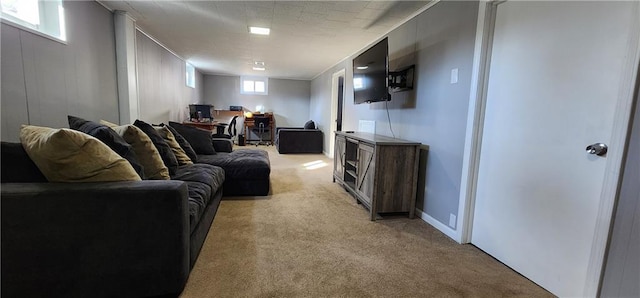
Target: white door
[[555, 74]]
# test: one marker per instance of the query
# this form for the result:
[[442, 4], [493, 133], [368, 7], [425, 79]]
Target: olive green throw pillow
[[181, 155], [148, 156], [66, 155]]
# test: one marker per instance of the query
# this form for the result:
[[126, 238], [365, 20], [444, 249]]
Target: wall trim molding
[[451, 233], [159, 43]]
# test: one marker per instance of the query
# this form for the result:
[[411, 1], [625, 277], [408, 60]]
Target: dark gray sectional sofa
[[105, 239], [116, 239], [246, 170]]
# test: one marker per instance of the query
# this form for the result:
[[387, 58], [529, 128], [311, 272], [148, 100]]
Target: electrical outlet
[[452, 220], [454, 76]]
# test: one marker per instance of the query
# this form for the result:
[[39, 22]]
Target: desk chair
[[233, 132], [260, 127]]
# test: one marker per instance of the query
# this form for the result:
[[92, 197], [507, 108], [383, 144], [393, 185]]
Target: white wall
[[435, 112], [288, 100], [162, 90], [43, 80]]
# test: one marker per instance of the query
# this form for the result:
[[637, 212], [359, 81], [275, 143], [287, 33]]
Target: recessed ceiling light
[[362, 67], [258, 68], [259, 30], [259, 63]]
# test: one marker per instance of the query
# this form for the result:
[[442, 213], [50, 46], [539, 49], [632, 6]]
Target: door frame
[[334, 108], [475, 123]]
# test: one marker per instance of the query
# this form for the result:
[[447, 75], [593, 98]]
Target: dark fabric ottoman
[[246, 171]]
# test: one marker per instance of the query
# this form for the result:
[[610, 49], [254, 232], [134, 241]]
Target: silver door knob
[[598, 149]]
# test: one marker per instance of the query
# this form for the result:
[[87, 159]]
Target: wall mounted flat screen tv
[[371, 74]]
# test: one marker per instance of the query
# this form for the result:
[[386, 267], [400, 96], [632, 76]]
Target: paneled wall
[[287, 99], [162, 90], [434, 113], [44, 80]]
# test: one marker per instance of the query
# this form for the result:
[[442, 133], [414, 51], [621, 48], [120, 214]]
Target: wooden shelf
[[353, 163], [379, 171]]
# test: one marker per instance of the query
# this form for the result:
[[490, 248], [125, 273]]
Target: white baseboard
[[451, 233]]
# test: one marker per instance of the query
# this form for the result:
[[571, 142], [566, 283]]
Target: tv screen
[[371, 74]]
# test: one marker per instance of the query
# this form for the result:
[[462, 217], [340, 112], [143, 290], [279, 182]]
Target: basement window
[[42, 17], [254, 85], [191, 75]]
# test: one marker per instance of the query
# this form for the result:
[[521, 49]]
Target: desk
[[249, 124], [203, 125]]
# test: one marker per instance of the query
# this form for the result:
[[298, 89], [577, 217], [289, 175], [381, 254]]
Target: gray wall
[[162, 91], [287, 99], [434, 112], [43, 80]]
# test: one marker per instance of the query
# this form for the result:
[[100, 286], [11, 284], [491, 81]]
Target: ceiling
[[307, 37]]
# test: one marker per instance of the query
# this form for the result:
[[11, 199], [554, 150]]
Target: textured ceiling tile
[[380, 4], [307, 37], [312, 18], [369, 14], [351, 6], [335, 15], [285, 8], [318, 7]]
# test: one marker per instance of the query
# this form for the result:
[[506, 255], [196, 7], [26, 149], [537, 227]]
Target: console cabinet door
[[366, 172], [339, 158]]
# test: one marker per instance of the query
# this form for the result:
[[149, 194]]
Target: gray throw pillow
[[184, 144], [199, 139], [310, 125]]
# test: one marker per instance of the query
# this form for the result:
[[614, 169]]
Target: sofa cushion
[[148, 155], [184, 144], [241, 164], [199, 139], [310, 125], [167, 155], [204, 173], [181, 155], [65, 155], [202, 181], [199, 195], [109, 137], [17, 166]]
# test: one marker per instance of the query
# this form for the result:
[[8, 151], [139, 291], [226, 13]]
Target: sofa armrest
[[222, 145], [115, 239]]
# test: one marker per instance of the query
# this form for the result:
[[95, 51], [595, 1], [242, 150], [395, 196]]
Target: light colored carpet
[[309, 238]]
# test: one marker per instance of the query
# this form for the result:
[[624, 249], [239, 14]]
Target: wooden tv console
[[379, 171]]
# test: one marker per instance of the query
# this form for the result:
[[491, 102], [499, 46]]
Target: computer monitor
[[201, 113]]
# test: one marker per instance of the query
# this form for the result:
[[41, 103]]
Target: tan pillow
[[107, 123], [65, 155], [146, 152], [181, 155]]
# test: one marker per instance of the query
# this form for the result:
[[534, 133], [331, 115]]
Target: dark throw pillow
[[184, 144], [109, 137], [166, 154], [199, 139], [17, 166], [310, 125]]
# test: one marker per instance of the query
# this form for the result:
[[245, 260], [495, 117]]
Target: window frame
[[253, 80], [46, 10], [190, 72]]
